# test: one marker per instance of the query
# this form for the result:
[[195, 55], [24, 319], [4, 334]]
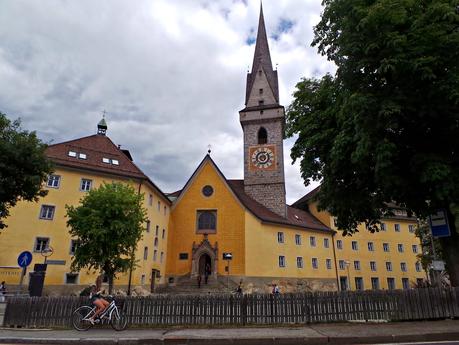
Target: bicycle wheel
[[118, 321], [79, 316]]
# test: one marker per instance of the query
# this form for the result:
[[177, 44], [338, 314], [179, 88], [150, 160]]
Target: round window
[[207, 190]]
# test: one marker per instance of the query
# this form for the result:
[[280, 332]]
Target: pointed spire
[[262, 58], [262, 55]]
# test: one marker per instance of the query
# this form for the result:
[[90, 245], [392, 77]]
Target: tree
[[108, 224], [24, 166], [385, 127]]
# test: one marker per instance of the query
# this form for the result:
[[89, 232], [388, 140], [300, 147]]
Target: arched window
[[262, 136], [207, 220]]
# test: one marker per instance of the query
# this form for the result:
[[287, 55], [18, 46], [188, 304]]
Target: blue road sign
[[439, 224], [24, 259]]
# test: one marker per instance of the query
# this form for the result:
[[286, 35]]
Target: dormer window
[[82, 155], [261, 91], [72, 154], [259, 73], [261, 102], [110, 161]]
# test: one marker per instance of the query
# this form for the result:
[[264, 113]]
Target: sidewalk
[[337, 333]]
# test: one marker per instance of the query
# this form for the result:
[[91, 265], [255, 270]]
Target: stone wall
[[266, 186]]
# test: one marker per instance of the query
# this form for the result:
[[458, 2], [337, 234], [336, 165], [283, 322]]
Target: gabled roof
[[96, 147], [295, 217], [303, 201], [262, 58]]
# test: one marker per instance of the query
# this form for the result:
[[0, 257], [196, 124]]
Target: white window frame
[[49, 213], [397, 227], [312, 241], [298, 239], [342, 265], [280, 237], [414, 248], [400, 247], [373, 266], [53, 178], [328, 264], [371, 247], [388, 266], [357, 265], [299, 262], [84, 185], [47, 240], [73, 246], [315, 263], [392, 285], [383, 227], [326, 243], [339, 244], [355, 245], [145, 253], [386, 247], [403, 266], [281, 261]]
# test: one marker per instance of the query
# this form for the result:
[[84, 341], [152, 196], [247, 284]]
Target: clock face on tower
[[262, 157]]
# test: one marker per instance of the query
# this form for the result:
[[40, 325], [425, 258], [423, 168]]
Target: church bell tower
[[263, 121]]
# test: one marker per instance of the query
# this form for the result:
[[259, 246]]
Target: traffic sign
[[24, 259], [439, 224]]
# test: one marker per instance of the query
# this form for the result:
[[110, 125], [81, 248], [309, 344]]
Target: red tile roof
[[96, 147], [295, 217]]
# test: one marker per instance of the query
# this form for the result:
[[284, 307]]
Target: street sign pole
[[24, 260], [23, 273]]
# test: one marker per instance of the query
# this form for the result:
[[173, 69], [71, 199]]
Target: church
[[224, 231]]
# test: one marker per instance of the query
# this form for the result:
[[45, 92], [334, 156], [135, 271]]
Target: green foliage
[[426, 256], [24, 166], [385, 127], [108, 224]]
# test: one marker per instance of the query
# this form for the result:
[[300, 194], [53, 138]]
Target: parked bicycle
[[82, 315]]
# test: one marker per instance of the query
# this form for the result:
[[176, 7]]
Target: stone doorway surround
[[200, 249]]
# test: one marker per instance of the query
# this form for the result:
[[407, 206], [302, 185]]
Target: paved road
[[320, 334]]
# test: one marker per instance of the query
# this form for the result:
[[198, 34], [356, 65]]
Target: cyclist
[[97, 299]]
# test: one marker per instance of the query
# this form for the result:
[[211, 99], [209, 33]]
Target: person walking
[[206, 273], [199, 281], [2, 291]]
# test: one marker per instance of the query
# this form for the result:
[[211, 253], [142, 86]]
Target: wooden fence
[[163, 310]]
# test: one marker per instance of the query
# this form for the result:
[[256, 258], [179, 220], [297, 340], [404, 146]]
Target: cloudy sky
[[170, 74]]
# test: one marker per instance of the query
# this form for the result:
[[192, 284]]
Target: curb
[[239, 341]]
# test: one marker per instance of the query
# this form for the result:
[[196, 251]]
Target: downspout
[[334, 256], [130, 267]]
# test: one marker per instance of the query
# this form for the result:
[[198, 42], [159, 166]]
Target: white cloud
[[170, 74]]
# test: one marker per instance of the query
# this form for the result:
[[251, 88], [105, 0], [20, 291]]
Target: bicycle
[[111, 314]]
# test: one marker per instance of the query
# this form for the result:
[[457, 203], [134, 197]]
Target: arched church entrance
[[205, 265], [204, 259]]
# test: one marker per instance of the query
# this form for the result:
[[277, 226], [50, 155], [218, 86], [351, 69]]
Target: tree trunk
[[110, 283], [450, 246]]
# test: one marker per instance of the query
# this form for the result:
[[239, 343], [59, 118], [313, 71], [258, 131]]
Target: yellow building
[[219, 229], [383, 260], [81, 165]]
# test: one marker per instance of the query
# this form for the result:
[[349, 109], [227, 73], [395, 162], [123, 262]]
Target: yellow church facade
[[214, 230]]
